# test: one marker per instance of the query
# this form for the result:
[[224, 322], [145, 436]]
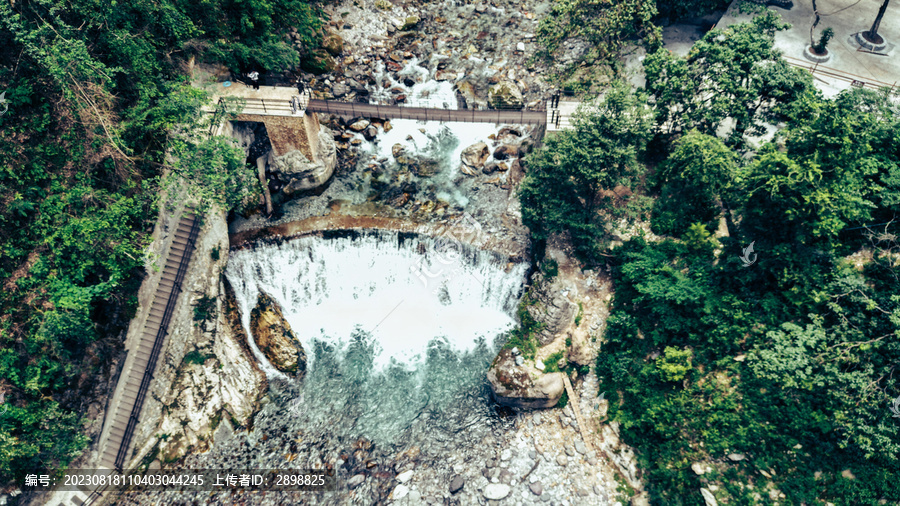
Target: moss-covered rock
[[505, 95], [273, 335], [333, 43], [410, 23]]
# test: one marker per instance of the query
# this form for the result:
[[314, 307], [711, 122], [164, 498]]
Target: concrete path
[[850, 65]]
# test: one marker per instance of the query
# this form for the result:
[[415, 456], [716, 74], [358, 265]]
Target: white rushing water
[[403, 292], [442, 142]]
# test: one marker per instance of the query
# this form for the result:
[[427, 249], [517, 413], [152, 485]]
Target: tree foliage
[[604, 24], [572, 177], [695, 177], [732, 82], [97, 94], [792, 359]]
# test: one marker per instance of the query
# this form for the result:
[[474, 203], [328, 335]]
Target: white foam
[[405, 295]]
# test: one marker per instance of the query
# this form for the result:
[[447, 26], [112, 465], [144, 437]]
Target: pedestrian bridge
[[276, 101]]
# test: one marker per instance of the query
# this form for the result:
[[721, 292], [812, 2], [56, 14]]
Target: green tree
[[571, 178], [836, 172], [694, 178], [731, 73], [605, 24], [674, 364]]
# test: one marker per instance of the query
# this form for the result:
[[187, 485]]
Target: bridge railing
[[284, 107], [355, 109]]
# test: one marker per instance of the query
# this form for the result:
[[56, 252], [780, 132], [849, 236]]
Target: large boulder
[[523, 386], [505, 95], [466, 89], [333, 43], [475, 155], [273, 335], [299, 173], [580, 352]]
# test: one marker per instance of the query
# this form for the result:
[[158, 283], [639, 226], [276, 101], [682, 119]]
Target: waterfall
[[404, 291]]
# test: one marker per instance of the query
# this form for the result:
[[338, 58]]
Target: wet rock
[[370, 132], [537, 488], [523, 386], [526, 146], [397, 150], [444, 75], [405, 476], [506, 152], [467, 90], [508, 135], [359, 125], [333, 43], [456, 484], [505, 95], [492, 167], [475, 155], [496, 491], [274, 337]]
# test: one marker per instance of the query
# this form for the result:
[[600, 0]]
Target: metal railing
[[855, 80], [355, 109], [157, 344]]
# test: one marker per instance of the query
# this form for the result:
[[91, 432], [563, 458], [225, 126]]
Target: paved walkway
[[849, 65], [560, 117]]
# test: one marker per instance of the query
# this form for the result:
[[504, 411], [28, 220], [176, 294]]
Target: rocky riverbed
[[460, 447], [526, 458]]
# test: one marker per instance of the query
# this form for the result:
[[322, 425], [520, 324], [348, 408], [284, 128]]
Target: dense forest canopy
[[97, 92], [777, 368]]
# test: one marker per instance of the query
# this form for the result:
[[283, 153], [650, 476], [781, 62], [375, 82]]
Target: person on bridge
[[254, 79], [295, 104], [300, 87]]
